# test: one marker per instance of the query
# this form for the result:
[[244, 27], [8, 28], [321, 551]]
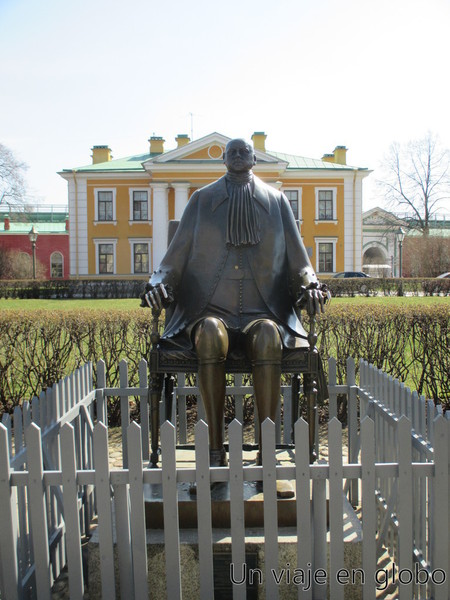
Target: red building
[[52, 240]]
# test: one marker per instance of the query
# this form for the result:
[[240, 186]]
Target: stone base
[[220, 507], [254, 544]]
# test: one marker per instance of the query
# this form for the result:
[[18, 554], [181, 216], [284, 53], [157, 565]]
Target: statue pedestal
[[220, 507], [222, 546]]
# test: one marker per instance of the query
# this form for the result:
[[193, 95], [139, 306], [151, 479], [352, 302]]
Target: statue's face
[[239, 156]]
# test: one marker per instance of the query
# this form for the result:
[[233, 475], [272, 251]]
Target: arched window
[[56, 265]]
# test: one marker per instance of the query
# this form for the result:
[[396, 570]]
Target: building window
[[105, 256], [295, 200], [106, 259], [56, 265], [105, 205], [140, 256], [326, 204], [326, 255], [139, 205]]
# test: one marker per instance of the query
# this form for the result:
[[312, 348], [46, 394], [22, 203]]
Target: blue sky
[[311, 74]]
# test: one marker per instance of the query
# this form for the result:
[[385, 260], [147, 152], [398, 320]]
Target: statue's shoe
[[217, 458]]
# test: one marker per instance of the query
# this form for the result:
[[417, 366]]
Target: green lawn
[[133, 303]]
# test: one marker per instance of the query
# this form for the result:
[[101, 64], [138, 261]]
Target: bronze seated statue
[[233, 281]]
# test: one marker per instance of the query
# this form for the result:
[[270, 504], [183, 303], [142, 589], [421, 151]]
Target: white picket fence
[[50, 492]]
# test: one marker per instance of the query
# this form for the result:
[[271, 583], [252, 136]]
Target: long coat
[[195, 259]]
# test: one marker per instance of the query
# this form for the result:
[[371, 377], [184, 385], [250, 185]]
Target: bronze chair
[[164, 363]]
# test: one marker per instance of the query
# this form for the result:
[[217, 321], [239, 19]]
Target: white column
[[160, 219], [78, 226], [181, 197]]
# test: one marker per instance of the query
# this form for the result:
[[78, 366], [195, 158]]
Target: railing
[[398, 473]]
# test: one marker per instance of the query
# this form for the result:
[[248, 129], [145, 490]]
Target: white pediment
[[206, 149], [379, 216]]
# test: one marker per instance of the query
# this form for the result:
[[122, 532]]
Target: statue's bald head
[[239, 156]]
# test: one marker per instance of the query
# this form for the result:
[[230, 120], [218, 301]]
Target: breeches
[[261, 341]]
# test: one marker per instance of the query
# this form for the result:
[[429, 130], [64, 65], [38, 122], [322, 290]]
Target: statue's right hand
[[157, 297]]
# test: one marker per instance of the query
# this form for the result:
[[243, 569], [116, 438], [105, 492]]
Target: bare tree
[[12, 179], [425, 256], [416, 179]]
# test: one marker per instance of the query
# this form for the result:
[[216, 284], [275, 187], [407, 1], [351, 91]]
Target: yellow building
[[119, 209]]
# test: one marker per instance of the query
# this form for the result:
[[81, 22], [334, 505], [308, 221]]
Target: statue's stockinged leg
[[265, 349], [211, 345]]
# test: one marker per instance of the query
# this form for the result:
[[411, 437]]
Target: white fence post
[[124, 410], [71, 514], [405, 506], [144, 409], [440, 524], [332, 382], [170, 509], [369, 515], [303, 505], [10, 588], [237, 507], [319, 501], [270, 507], [37, 511], [336, 508], [352, 426], [104, 511], [138, 531], [204, 523]]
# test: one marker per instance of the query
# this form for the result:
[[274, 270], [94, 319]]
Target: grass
[[133, 303]]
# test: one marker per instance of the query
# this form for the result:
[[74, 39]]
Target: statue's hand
[[157, 297], [314, 297]]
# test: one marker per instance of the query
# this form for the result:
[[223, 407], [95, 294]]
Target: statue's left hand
[[157, 297], [314, 297]]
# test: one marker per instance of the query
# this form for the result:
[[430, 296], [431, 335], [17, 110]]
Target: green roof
[[301, 162], [129, 163], [134, 163], [20, 228]]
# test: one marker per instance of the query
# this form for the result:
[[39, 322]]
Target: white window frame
[[134, 241], [299, 190], [325, 240], [96, 191], [62, 264], [97, 243], [149, 205], [326, 189]]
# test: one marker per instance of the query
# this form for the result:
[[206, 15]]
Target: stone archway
[[375, 262]]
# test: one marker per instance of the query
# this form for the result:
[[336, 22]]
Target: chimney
[[259, 141], [328, 158], [340, 155], [101, 154], [156, 145], [182, 139], [6, 223]]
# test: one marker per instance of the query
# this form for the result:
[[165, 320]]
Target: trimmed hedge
[[38, 348], [373, 286], [132, 288], [60, 289]]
